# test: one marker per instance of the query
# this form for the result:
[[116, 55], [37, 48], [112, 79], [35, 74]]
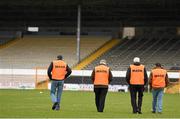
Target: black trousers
[[100, 96], [136, 104]]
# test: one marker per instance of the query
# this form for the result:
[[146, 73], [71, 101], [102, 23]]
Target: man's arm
[[128, 75], [93, 76], [166, 80], [110, 76], [145, 77], [150, 81], [49, 71], [69, 71]]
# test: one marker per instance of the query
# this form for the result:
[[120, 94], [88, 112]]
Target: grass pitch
[[33, 104]]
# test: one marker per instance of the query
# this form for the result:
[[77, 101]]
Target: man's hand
[[150, 88]]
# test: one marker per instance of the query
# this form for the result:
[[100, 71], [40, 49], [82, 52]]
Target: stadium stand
[[4, 40], [7, 37], [150, 49], [101, 50], [39, 51]]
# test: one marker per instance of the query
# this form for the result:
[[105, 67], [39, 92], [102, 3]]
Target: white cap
[[136, 59], [103, 61]]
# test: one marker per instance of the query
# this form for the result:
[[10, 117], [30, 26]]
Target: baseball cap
[[136, 59], [103, 61]]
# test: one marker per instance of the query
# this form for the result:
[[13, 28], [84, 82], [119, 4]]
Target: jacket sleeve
[[150, 80], [110, 76], [166, 80], [145, 77], [69, 71], [50, 70], [128, 75], [93, 76]]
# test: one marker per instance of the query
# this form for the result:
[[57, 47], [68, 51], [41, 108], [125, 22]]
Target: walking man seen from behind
[[136, 77], [158, 80], [101, 77], [58, 71]]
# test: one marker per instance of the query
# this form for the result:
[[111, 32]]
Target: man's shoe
[[57, 107], [159, 112], [139, 112], [154, 112], [100, 111], [54, 106]]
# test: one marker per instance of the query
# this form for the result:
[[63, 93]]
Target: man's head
[[136, 60], [103, 61], [59, 57], [158, 65]]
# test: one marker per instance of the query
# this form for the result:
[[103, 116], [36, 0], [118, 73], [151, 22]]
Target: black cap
[[60, 57], [158, 65]]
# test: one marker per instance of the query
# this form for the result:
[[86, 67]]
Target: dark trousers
[[100, 96], [134, 90]]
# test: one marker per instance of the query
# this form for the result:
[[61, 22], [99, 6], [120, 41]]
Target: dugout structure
[[174, 85], [41, 78]]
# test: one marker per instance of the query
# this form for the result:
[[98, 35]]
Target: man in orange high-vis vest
[[158, 80], [101, 77], [137, 78], [58, 71]]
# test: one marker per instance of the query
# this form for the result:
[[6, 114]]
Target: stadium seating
[[4, 40], [150, 49], [39, 51], [7, 36]]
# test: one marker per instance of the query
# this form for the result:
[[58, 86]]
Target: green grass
[[30, 103]]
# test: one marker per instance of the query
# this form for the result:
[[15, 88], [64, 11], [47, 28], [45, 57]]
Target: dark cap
[[59, 57], [158, 65]]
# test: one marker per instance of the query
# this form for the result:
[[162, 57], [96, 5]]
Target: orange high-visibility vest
[[158, 78], [137, 75], [59, 70], [101, 75]]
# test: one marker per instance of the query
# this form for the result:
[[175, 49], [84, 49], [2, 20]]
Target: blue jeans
[[157, 99], [56, 90]]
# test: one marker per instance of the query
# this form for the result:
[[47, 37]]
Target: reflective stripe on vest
[[59, 70], [101, 75], [158, 78], [137, 75]]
